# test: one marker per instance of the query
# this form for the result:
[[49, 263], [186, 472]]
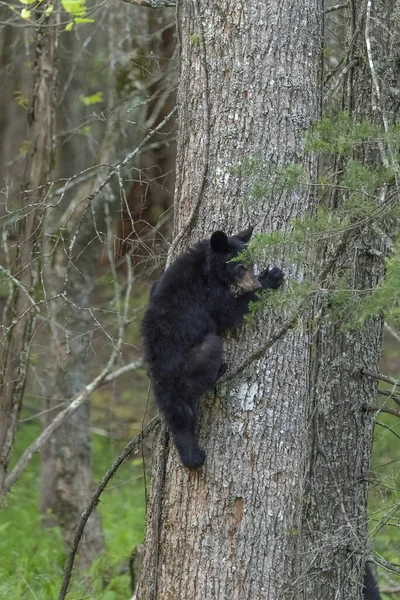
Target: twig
[[384, 409], [390, 394], [336, 7], [129, 157], [389, 590], [151, 3], [387, 427], [126, 452], [18, 284], [392, 332], [381, 377]]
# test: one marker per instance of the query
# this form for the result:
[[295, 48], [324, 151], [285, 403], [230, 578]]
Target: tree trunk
[[17, 338], [66, 466], [278, 511]]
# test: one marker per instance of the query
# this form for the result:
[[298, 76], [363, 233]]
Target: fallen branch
[[129, 449]]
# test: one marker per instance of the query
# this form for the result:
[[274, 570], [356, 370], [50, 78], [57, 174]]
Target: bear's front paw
[[271, 278]]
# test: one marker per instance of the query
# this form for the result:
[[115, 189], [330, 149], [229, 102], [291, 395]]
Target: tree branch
[[383, 409], [387, 427], [151, 3], [126, 452], [103, 378], [381, 377], [336, 7]]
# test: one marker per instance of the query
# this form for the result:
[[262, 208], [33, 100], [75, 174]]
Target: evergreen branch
[[129, 449]]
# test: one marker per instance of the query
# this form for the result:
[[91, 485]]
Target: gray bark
[[18, 336], [278, 511], [66, 466]]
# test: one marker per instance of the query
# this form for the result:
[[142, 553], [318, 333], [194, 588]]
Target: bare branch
[[387, 427], [126, 452], [391, 380], [151, 3], [18, 283], [392, 332], [103, 378], [390, 394], [383, 409], [336, 7]]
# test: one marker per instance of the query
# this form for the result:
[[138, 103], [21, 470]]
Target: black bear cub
[[190, 306]]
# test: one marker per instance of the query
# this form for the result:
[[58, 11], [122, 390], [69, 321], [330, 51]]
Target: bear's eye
[[241, 269]]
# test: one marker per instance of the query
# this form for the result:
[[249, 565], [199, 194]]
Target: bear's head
[[223, 250]]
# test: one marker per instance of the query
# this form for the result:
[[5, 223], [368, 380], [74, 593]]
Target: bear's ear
[[219, 242], [245, 235]]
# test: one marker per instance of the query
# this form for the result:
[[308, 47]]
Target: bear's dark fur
[[190, 306], [370, 590]]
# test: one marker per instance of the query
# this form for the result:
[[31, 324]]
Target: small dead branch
[[129, 449], [336, 7], [151, 3], [387, 427], [391, 380], [383, 409]]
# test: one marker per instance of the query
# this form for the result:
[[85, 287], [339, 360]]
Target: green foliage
[[386, 296], [21, 99], [77, 10], [93, 99], [33, 557], [195, 39], [358, 209]]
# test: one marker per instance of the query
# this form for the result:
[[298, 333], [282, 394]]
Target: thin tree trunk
[[66, 466], [17, 338]]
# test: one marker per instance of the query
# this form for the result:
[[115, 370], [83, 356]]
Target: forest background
[[88, 113]]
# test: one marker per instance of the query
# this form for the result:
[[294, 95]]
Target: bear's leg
[[204, 365], [201, 370], [181, 419]]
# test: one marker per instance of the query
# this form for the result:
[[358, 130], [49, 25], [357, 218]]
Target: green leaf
[[25, 13], [93, 99], [76, 8], [83, 20]]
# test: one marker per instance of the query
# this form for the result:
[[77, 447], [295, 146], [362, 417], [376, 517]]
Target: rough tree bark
[[18, 334], [278, 511]]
